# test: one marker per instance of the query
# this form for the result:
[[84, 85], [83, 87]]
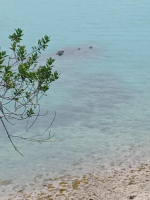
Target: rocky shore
[[122, 184]]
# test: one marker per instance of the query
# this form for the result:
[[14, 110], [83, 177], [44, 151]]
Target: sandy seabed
[[122, 184]]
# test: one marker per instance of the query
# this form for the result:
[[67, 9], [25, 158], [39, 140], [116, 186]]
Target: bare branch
[[10, 137]]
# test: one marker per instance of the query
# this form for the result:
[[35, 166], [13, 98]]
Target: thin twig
[[10, 137]]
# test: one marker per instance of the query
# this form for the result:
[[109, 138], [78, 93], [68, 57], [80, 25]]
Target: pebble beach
[[113, 184]]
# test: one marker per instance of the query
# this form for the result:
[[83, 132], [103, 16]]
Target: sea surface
[[102, 98]]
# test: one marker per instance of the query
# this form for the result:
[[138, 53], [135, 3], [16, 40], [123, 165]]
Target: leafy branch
[[23, 83]]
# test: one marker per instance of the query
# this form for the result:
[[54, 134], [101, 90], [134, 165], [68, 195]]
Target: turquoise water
[[102, 98]]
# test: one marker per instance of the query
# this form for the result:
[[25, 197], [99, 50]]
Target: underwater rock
[[90, 47], [6, 182], [60, 53]]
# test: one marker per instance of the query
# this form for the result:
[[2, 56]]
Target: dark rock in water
[[60, 53], [90, 47], [79, 48]]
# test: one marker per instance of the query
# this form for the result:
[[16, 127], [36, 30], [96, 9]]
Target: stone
[[60, 53], [133, 195], [90, 47]]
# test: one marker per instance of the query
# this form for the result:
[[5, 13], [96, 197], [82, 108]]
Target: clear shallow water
[[102, 98]]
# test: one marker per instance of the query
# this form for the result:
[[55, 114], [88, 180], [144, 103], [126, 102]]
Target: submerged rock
[[90, 47], [60, 53], [79, 48], [6, 182]]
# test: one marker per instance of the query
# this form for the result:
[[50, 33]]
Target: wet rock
[[60, 53], [133, 195]]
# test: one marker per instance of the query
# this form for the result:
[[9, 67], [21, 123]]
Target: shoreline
[[122, 184]]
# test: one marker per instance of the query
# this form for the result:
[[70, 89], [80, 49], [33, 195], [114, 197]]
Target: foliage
[[22, 82]]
